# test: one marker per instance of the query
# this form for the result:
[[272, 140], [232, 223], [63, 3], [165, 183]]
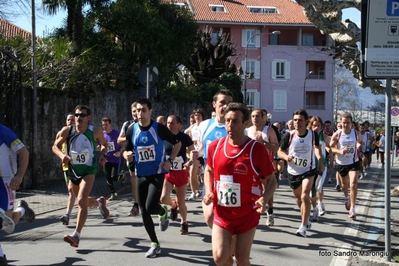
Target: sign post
[[380, 44]]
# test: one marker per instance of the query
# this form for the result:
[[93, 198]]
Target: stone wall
[[52, 109]]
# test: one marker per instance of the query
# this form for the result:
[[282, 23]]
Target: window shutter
[[274, 69], [243, 67], [244, 38], [257, 39], [287, 69], [257, 70]]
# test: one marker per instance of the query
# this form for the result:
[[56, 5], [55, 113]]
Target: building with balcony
[[282, 72]]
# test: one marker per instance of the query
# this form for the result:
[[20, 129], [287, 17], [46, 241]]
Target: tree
[[74, 18], [327, 17]]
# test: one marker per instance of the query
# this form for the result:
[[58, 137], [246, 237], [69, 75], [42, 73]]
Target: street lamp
[[304, 89], [276, 32]]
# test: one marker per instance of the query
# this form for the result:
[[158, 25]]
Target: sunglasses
[[81, 115]]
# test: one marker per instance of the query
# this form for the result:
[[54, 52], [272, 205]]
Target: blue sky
[[45, 23]]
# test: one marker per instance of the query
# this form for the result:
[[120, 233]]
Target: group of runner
[[240, 151]]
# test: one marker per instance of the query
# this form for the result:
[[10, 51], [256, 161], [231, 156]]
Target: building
[[9, 30], [285, 71]]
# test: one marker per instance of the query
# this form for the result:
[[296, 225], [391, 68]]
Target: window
[[253, 98], [273, 39], [308, 39], [280, 69], [253, 36], [215, 36], [315, 100], [279, 100], [252, 69], [321, 73], [217, 8], [263, 9]]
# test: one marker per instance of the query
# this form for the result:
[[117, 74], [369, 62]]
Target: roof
[[9, 30], [236, 11]]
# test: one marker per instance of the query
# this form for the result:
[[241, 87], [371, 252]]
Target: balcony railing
[[315, 76], [315, 107]]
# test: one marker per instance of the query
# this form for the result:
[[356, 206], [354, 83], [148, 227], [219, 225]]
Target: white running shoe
[[301, 231], [322, 209], [6, 223]]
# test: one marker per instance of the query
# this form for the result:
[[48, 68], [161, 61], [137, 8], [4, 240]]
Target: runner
[[346, 144], [134, 211], [81, 158], [146, 139], [177, 175], [195, 168], [211, 130], [70, 120], [316, 124], [365, 154], [237, 168], [11, 178], [299, 148], [112, 157], [328, 131], [267, 136]]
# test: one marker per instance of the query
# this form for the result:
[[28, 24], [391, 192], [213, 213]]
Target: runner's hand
[[260, 203], [208, 198]]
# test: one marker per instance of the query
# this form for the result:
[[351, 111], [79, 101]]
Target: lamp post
[[304, 89], [276, 32]]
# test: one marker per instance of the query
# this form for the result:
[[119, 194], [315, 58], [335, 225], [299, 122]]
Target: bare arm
[[333, 144], [23, 161], [272, 145], [208, 182], [61, 137]]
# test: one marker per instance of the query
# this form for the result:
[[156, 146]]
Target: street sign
[[382, 39], [153, 77], [394, 116]]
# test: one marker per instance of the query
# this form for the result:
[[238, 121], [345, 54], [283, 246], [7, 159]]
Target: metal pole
[[148, 81], [34, 97], [387, 170]]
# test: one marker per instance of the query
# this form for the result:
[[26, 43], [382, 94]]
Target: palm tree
[[74, 17]]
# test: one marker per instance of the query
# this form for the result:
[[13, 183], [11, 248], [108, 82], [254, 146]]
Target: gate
[[11, 91]]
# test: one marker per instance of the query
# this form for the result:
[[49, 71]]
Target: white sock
[[99, 204], [76, 233], [21, 210], [68, 212], [1, 252]]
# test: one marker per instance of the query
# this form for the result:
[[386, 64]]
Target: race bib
[[229, 194], [146, 153], [110, 146], [80, 157], [177, 163], [351, 151], [299, 162]]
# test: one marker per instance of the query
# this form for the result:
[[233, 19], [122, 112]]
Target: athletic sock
[[21, 210], [68, 212], [270, 210], [1, 252]]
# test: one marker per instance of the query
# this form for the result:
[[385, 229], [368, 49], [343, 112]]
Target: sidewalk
[[53, 196]]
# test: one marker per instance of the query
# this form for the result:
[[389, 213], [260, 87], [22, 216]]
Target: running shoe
[[192, 197], [322, 209], [338, 188], [347, 203], [3, 260], [173, 212], [154, 250], [329, 181], [309, 225], [164, 219], [361, 176], [301, 231], [114, 196], [134, 211], [198, 194], [352, 213], [184, 228], [65, 219], [29, 213], [269, 219], [364, 173], [103, 208], [315, 216], [73, 240], [6, 223]]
